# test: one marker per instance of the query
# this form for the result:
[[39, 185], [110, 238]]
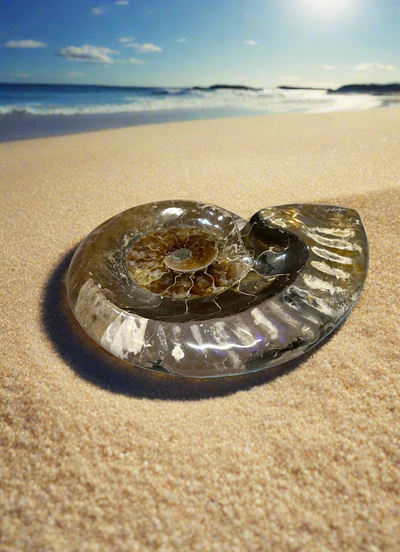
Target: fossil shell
[[193, 290]]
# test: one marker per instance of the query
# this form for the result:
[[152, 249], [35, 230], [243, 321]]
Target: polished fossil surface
[[191, 289]]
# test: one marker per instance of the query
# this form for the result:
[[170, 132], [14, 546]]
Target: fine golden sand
[[97, 456]]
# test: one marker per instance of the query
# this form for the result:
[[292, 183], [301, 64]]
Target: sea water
[[30, 110]]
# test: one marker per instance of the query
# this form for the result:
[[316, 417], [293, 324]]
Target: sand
[[98, 456]]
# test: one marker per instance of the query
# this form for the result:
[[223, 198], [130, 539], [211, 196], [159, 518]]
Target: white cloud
[[181, 40], [127, 39], [250, 42], [100, 10], [130, 60], [75, 74], [328, 67], [88, 53], [121, 2], [21, 75], [145, 48], [25, 44], [373, 67], [150, 12]]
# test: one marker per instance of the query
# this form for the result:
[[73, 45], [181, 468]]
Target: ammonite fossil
[[193, 290]]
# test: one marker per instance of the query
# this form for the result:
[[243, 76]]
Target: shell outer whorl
[[193, 290]]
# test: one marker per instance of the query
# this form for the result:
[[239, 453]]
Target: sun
[[326, 8]]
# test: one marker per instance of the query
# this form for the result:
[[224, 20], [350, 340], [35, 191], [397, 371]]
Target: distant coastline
[[374, 89], [225, 87], [371, 88]]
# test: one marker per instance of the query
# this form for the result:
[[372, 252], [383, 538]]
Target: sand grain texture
[[98, 457]]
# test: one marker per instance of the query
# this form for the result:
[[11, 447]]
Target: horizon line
[[201, 86]]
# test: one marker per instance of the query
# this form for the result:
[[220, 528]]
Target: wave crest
[[260, 101]]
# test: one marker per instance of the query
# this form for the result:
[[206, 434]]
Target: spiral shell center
[[183, 263]]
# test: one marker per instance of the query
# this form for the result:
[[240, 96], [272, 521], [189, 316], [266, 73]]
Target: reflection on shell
[[191, 289]]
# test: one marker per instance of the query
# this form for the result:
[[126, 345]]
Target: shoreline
[[25, 126]]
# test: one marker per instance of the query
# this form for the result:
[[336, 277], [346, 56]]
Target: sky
[[264, 43]]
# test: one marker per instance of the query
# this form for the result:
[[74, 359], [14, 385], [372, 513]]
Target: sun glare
[[326, 8]]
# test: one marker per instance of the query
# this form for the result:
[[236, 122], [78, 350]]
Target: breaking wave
[[100, 100]]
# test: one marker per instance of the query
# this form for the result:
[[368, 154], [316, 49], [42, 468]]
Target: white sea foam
[[262, 101]]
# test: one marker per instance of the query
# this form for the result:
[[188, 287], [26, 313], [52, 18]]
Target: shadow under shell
[[194, 290]]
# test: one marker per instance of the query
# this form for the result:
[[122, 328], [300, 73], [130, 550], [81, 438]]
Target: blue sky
[[188, 42]]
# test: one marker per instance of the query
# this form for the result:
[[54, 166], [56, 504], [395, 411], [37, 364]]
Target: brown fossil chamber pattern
[[190, 289]]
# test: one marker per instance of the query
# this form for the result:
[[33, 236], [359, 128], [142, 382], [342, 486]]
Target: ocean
[[36, 110]]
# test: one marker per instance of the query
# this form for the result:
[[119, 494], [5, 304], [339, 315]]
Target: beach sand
[[97, 455]]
